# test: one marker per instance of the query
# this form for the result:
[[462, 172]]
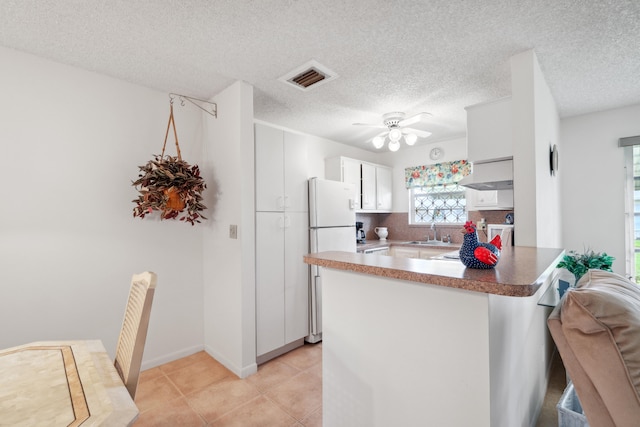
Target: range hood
[[490, 175]]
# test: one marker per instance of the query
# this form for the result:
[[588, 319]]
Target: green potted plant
[[170, 185], [578, 263]]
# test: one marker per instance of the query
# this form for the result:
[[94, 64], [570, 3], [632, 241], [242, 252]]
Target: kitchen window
[[444, 204]]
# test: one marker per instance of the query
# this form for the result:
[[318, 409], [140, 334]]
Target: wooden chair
[[134, 330]]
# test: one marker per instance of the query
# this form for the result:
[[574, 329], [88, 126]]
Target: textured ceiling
[[411, 56]]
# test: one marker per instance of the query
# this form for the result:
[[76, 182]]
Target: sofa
[[596, 328]]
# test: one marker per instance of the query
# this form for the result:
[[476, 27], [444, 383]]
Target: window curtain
[[438, 174]]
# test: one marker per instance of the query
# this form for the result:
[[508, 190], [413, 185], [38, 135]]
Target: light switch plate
[[233, 231]]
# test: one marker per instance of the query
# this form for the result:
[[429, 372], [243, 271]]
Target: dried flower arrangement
[[170, 185]]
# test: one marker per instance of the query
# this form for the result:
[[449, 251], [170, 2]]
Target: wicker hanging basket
[[170, 185]]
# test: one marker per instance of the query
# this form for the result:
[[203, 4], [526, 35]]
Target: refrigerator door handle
[[317, 281]]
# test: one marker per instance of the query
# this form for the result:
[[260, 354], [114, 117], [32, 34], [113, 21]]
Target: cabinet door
[[270, 279], [486, 198], [269, 144], [432, 252], [384, 188], [351, 175], [489, 200], [368, 186], [401, 252], [489, 130], [295, 173], [296, 273]]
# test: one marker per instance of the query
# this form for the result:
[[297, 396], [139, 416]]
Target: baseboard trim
[[148, 364], [279, 351], [241, 372]]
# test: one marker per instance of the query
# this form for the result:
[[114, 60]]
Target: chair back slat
[[134, 330]]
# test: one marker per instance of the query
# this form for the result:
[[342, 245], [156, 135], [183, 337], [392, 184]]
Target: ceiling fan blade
[[371, 125], [414, 119], [381, 134], [418, 132]]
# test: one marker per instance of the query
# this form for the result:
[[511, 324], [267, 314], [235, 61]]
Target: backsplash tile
[[398, 226]]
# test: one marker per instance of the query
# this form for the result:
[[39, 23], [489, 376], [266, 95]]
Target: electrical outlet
[[233, 231]]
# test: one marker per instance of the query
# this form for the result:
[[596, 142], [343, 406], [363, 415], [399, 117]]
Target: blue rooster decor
[[475, 254]]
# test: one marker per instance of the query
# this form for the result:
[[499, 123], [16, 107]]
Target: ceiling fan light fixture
[[394, 145], [395, 134], [410, 138], [378, 142]]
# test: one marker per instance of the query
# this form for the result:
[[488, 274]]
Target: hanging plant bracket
[[210, 108], [170, 185]]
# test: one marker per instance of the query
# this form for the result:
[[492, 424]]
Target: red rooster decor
[[475, 254]]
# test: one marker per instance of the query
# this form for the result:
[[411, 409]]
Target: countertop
[[373, 244], [520, 272]]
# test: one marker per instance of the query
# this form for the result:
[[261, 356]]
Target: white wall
[[592, 176], [71, 144], [535, 129], [229, 264]]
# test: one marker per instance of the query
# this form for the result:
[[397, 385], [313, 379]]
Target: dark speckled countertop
[[520, 272]]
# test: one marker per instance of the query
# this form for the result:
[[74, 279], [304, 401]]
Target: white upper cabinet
[[296, 188], [347, 170], [368, 187], [489, 131], [384, 188], [373, 182], [269, 148], [281, 176], [489, 200]]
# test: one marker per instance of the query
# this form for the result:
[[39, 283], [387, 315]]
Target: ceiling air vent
[[308, 76]]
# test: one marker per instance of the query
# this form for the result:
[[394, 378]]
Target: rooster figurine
[[475, 254]]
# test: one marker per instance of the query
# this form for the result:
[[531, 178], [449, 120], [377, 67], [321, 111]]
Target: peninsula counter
[[429, 342]]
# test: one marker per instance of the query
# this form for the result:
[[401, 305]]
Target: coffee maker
[[360, 232]]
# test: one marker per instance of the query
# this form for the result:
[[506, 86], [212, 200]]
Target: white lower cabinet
[[423, 253], [402, 252], [282, 279]]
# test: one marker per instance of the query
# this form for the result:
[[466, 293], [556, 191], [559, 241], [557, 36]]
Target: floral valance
[[438, 174]]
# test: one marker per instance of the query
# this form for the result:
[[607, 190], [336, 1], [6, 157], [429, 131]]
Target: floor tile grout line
[[261, 393], [282, 408]]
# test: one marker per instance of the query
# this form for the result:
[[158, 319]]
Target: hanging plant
[[170, 185]]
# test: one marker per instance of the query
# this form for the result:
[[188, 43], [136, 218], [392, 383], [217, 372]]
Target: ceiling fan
[[397, 129]]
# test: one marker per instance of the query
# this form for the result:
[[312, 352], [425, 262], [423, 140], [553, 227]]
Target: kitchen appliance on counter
[[360, 234], [332, 215], [504, 230], [382, 233]]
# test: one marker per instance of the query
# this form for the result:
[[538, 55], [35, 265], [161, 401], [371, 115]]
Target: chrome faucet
[[433, 227]]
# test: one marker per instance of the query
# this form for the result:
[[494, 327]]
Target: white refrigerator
[[332, 218]]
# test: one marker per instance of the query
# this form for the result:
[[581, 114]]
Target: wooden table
[[62, 383]]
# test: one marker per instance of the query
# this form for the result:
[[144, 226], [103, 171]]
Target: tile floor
[[286, 391], [557, 382], [199, 391]]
